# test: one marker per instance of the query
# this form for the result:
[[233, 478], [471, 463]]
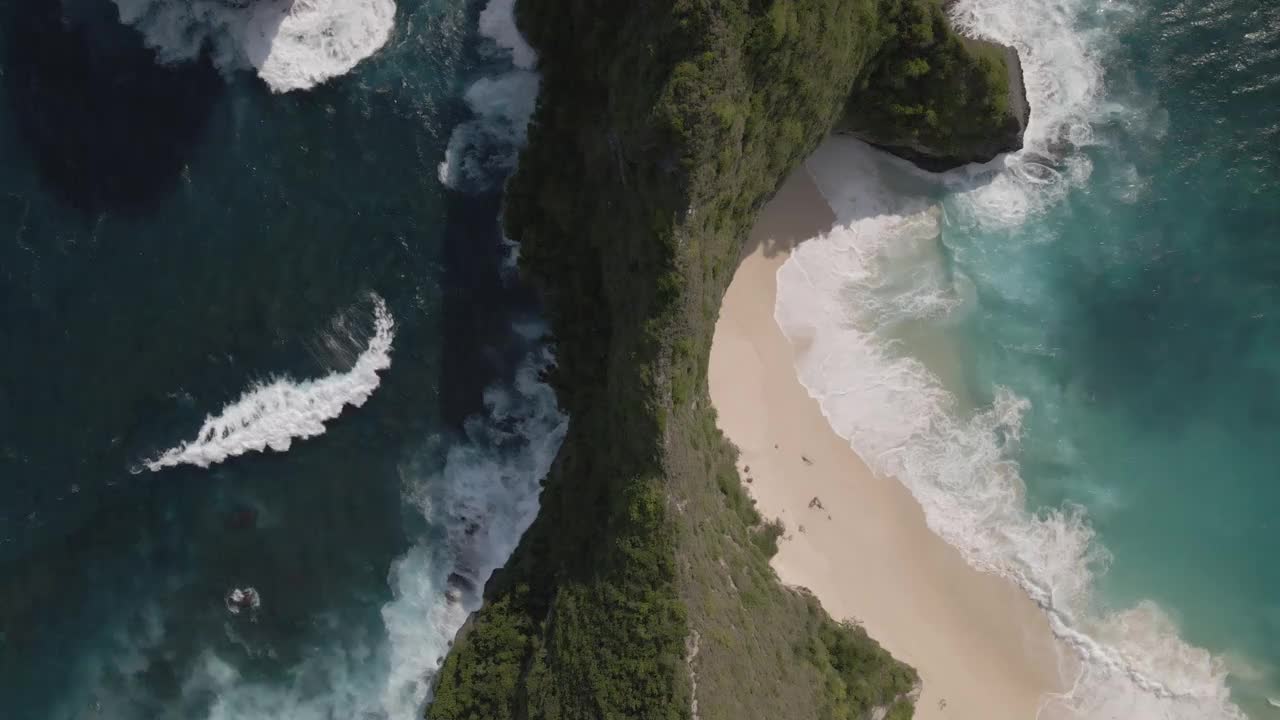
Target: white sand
[[983, 650]]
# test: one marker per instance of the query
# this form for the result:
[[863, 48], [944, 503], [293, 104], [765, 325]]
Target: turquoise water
[[1072, 356], [1140, 316], [256, 340]]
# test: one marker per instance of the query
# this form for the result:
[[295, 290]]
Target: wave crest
[[292, 44]]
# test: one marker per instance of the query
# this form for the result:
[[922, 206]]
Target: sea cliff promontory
[[935, 97], [643, 589]]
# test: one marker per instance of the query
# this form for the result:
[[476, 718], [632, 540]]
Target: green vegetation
[[935, 97], [662, 128]]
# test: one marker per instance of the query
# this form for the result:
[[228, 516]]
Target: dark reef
[[661, 130]]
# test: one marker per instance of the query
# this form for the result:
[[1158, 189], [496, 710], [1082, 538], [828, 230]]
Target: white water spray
[[275, 413]]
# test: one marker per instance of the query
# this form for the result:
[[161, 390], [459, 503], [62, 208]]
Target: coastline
[[982, 648]]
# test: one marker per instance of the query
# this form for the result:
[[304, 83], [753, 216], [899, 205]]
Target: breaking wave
[[472, 498], [275, 413], [484, 498], [846, 297], [291, 44], [498, 23], [482, 151]]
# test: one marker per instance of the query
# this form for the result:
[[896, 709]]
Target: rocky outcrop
[[936, 98], [983, 148]]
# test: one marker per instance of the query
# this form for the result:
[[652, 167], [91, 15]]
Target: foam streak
[[274, 414]]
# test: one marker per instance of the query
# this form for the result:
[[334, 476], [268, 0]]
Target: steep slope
[[662, 128]]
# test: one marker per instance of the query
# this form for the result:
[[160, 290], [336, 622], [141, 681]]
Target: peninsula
[[644, 588]]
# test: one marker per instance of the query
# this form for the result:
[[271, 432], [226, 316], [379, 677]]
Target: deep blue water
[[171, 236]]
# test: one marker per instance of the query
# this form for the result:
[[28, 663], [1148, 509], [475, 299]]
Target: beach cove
[[859, 542]]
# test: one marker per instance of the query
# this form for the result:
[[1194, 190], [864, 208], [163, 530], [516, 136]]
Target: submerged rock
[[242, 599]]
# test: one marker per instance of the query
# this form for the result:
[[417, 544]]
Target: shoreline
[[859, 542]]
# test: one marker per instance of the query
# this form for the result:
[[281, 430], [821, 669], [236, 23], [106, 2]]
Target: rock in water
[[937, 98]]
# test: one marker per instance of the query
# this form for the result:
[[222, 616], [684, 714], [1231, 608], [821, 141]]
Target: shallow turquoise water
[[1069, 356], [1140, 316]]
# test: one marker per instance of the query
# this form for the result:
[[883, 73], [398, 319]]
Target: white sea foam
[[273, 414], [497, 22], [1064, 85], [482, 151], [476, 505], [841, 295], [342, 670], [292, 44], [844, 295], [484, 497]]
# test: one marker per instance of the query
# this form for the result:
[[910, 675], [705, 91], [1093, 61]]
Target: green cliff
[[661, 129], [935, 98]]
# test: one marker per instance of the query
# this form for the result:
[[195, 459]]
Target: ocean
[[1071, 355], [261, 333]]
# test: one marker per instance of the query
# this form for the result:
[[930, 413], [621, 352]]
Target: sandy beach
[[858, 541]]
